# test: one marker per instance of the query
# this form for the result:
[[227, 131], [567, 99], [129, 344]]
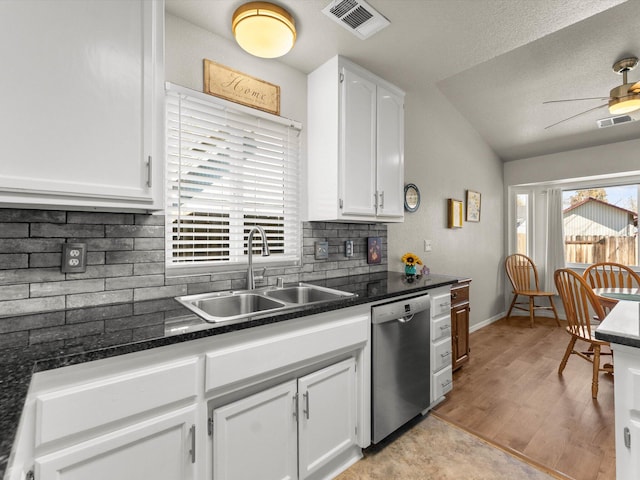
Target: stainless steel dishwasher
[[400, 373]]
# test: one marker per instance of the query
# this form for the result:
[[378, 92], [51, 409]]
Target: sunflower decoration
[[411, 260]]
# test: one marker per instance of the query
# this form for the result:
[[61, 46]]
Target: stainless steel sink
[[303, 294], [233, 306]]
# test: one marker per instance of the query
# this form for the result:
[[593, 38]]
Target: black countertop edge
[[618, 339], [17, 367]]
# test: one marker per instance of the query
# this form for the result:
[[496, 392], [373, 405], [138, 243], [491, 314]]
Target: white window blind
[[229, 168]]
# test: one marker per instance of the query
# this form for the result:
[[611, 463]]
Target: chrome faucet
[[251, 281]]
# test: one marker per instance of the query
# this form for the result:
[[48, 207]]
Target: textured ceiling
[[495, 60]]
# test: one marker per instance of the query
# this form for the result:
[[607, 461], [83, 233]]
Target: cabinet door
[[82, 105], [390, 154], [256, 437], [460, 331], [358, 145], [159, 449], [327, 424]]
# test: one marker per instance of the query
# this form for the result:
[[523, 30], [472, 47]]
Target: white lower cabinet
[[441, 349], [296, 430], [126, 454]]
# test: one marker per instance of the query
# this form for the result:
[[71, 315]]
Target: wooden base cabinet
[[460, 323], [294, 430]]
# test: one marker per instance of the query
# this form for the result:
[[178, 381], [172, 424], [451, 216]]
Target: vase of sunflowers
[[411, 261]]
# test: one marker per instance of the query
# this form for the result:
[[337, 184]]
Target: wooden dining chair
[[580, 305], [611, 275], [523, 275]]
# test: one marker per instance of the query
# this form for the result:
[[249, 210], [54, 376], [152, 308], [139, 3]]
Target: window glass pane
[[522, 223], [601, 225]]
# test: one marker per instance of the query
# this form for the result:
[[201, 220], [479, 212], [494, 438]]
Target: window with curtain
[[229, 168], [601, 224]]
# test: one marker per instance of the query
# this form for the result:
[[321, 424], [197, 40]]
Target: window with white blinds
[[229, 168]]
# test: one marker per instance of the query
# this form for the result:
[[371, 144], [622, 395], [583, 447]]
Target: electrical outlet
[[74, 257], [322, 250], [348, 248], [427, 245]]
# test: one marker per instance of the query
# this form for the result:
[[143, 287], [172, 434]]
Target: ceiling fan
[[622, 99]]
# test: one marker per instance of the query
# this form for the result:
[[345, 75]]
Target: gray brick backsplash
[[24, 215], [14, 292], [101, 298], [149, 244], [45, 259], [137, 256], [31, 305], [118, 283], [30, 275], [49, 230], [29, 322], [126, 262], [91, 314], [148, 268], [14, 230], [97, 218], [67, 287], [134, 231], [13, 260], [31, 245], [159, 292], [64, 332]]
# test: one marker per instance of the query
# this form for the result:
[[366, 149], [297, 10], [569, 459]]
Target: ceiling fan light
[[626, 104], [263, 29]]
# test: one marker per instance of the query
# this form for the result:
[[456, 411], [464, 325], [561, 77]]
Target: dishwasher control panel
[[400, 308]]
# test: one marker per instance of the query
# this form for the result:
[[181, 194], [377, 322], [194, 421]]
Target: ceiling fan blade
[[635, 88], [577, 115], [577, 99]]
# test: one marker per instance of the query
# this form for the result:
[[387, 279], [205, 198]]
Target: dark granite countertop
[[622, 325], [17, 365]]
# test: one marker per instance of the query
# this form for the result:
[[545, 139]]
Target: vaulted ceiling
[[496, 61]]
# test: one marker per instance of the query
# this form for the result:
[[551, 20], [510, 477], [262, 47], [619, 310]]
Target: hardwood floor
[[511, 394]]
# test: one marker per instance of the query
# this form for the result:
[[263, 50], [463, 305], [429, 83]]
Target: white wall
[[445, 156]]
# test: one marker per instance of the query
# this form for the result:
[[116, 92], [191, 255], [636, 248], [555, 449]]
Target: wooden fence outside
[[596, 248]]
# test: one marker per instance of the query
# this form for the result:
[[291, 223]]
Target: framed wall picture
[[374, 250], [455, 213], [473, 206]]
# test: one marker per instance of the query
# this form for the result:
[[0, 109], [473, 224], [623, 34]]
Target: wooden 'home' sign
[[224, 82]]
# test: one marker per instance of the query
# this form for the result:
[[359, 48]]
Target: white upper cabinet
[[82, 118], [356, 145]]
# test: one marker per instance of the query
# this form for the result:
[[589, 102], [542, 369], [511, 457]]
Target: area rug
[[433, 449]]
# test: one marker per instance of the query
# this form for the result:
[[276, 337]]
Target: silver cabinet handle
[[149, 171], [192, 451], [445, 327], [305, 395], [295, 406], [382, 200], [446, 354]]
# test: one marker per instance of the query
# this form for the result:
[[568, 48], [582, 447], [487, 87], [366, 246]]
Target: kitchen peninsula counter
[[84, 335]]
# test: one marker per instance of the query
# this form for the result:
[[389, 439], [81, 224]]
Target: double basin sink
[[228, 306]]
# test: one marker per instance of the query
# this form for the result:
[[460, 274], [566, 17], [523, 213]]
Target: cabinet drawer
[[441, 354], [238, 363], [440, 328], [460, 294], [442, 383], [91, 405], [441, 304]]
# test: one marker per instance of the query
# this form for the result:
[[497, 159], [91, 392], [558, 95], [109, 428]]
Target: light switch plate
[[322, 250], [74, 257]]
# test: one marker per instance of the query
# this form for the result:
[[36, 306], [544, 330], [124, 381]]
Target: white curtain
[[555, 238]]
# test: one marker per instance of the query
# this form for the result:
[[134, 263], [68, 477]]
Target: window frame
[[235, 235]]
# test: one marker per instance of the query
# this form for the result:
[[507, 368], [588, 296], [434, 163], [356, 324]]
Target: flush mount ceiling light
[[264, 29], [626, 97]]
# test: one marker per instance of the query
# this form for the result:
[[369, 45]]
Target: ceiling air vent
[[357, 16], [612, 121]]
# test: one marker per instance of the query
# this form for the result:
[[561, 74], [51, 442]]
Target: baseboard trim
[[537, 465], [489, 321]]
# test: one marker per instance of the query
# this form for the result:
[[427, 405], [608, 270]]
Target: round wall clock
[[411, 197]]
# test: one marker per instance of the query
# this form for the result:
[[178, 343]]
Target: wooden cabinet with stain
[[460, 309]]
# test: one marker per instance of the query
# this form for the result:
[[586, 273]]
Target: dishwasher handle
[[406, 318]]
